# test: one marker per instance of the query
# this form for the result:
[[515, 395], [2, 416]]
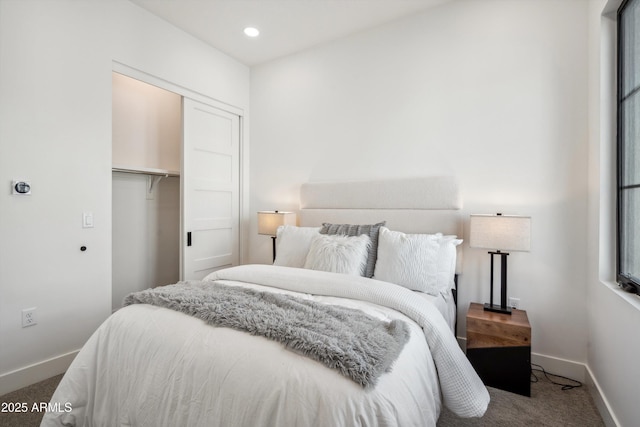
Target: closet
[[175, 187]]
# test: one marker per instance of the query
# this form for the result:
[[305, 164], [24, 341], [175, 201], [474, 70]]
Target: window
[[628, 255]]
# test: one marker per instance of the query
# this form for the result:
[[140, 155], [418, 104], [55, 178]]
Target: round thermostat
[[22, 187]]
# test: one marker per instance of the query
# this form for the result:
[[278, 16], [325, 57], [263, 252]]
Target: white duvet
[[151, 366]]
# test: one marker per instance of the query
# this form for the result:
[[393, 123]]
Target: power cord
[[547, 374]]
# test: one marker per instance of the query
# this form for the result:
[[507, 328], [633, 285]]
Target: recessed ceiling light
[[252, 32]]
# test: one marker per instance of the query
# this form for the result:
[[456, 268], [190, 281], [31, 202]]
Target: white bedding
[[150, 366], [445, 304]]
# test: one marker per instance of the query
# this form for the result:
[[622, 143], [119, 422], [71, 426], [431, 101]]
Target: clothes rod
[[146, 171]]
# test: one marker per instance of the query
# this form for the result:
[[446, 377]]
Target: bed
[[150, 364]]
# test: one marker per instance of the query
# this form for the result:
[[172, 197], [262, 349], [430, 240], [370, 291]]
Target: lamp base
[[496, 308]]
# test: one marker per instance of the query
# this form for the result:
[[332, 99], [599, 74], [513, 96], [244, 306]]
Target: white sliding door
[[210, 189]]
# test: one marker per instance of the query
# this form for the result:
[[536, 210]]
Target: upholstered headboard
[[412, 205]]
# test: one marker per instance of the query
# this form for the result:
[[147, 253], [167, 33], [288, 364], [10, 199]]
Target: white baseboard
[[12, 381], [555, 365], [601, 401]]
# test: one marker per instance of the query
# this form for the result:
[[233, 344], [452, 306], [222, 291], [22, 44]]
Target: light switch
[[87, 220]]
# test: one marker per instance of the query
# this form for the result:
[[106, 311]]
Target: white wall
[[55, 129], [493, 92], [146, 234], [146, 125], [613, 315]]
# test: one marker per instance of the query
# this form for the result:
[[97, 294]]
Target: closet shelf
[[153, 175], [145, 171]]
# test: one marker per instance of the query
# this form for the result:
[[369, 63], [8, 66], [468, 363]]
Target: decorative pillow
[[409, 260], [292, 244], [339, 254], [447, 263], [371, 230]]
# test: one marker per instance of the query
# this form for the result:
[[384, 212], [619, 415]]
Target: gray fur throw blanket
[[357, 345]]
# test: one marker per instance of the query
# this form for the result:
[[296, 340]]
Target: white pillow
[[339, 254], [292, 244], [447, 263], [409, 260]]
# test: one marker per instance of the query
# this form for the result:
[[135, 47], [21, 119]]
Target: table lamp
[[500, 233], [269, 221]]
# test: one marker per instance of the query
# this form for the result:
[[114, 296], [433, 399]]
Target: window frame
[[626, 281]]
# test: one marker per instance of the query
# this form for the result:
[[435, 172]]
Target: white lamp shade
[[269, 221], [500, 232]]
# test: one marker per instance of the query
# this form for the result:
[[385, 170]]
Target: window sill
[[633, 299]]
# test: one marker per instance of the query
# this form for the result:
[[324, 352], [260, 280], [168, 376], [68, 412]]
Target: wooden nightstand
[[499, 348]]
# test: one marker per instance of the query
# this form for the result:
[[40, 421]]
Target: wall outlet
[[513, 302], [29, 317]]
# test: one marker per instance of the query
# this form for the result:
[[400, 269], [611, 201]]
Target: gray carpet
[[547, 406], [36, 393]]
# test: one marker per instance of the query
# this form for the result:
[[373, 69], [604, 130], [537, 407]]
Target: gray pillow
[[371, 230]]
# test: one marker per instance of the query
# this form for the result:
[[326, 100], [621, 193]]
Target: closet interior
[[146, 143]]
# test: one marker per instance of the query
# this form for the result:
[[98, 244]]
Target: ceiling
[[286, 26]]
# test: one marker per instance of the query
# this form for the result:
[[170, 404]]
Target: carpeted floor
[[548, 406], [36, 393]]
